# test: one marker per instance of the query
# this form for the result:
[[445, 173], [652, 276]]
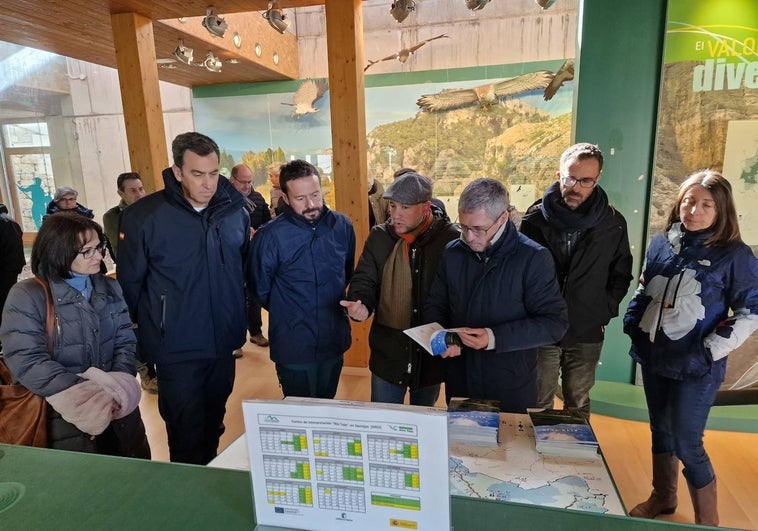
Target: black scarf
[[560, 216]]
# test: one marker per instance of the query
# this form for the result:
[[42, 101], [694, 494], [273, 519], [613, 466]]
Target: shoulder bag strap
[[50, 320]]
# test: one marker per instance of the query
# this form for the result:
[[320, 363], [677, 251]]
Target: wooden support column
[[141, 97], [344, 42]]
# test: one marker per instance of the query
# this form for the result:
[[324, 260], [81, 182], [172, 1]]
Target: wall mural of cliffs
[[451, 125]]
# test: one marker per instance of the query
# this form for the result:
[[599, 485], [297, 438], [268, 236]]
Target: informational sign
[[324, 465]]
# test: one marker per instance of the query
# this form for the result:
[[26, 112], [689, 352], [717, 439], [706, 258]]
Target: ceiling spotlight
[[545, 4], [183, 53], [237, 40], [276, 17], [233, 61], [475, 5], [215, 25], [212, 63], [400, 9]]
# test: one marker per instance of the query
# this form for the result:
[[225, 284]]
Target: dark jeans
[[314, 380], [384, 391], [678, 412], [192, 402], [576, 367], [254, 321]]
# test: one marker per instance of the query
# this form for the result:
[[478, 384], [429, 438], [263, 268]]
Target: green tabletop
[[50, 489]]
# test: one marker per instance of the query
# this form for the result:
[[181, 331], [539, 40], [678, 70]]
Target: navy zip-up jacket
[[182, 272], [300, 270]]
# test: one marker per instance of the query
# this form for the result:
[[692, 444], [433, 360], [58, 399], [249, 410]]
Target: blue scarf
[[80, 283]]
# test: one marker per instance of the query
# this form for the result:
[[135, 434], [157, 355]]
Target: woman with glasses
[[696, 302], [86, 370]]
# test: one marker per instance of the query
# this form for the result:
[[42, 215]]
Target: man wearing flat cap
[[391, 282]]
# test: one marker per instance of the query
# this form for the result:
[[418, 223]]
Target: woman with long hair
[[86, 370], [696, 302]]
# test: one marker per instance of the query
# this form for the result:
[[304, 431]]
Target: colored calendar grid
[[396, 502], [393, 450], [286, 493], [395, 478], [339, 471], [282, 467], [274, 441], [341, 498], [337, 444]]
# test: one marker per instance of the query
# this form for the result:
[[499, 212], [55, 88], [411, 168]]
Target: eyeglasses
[[477, 231], [584, 182], [89, 253]]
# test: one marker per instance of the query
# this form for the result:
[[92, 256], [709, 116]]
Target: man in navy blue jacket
[[301, 263], [499, 288], [181, 259]]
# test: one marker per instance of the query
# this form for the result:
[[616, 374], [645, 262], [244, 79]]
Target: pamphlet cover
[[432, 337]]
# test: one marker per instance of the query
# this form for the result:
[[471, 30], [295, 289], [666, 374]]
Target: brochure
[[434, 338]]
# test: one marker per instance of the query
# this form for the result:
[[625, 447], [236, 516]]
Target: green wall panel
[[620, 49]]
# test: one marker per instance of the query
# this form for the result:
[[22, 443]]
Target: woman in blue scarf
[[86, 370]]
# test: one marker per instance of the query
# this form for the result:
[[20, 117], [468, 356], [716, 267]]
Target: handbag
[[23, 414]]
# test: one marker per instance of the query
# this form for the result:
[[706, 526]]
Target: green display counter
[[50, 489]]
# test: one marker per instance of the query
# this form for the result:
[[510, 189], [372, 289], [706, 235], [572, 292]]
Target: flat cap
[[409, 189]]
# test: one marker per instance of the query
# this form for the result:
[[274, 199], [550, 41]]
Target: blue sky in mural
[[258, 122]]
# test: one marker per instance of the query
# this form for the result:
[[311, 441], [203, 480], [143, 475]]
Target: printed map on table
[[515, 472]]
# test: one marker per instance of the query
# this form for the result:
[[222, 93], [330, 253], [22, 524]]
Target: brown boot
[[705, 502], [663, 498]]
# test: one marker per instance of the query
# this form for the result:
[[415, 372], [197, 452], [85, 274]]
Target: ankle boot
[[705, 503], [663, 498]]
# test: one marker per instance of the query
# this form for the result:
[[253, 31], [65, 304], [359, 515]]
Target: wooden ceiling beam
[[141, 97]]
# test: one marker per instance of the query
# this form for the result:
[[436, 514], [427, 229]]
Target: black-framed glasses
[[89, 253], [584, 182], [478, 231]]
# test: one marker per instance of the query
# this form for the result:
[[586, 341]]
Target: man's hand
[[451, 352], [476, 338], [356, 310]]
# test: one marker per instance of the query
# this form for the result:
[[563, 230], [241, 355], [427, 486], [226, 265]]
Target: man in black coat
[[12, 259], [257, 208], [590, 246], [392, 280]]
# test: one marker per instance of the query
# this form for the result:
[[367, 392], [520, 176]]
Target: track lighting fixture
[[212, 63], [475, 5], [215, 25], [400, 9], [183, 53], [276, 17]]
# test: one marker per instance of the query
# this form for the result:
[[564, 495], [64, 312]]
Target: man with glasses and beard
[[301, 264], [588, 240], [499, 288]]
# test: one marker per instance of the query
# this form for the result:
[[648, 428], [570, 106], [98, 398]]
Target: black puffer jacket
[[594, 275], [394, 356]]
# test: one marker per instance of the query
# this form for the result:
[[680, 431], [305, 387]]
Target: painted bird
[[306, 96], [485, 95], [405, 53], [564, 73]]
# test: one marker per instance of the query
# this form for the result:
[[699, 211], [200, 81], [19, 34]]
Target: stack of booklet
[[473, 421], [563, 434]]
